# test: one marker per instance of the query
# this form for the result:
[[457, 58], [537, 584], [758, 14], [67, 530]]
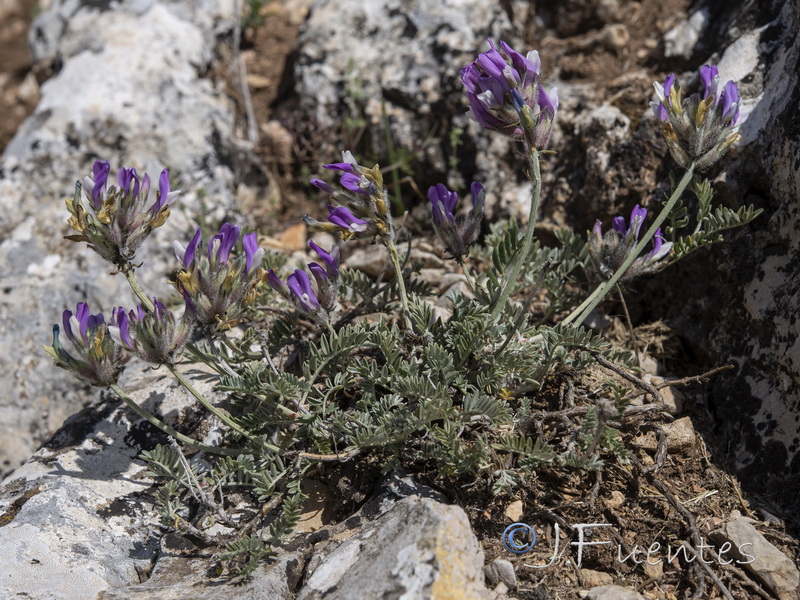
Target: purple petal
[[65, 320], [352, 182], [82, 315], [343, 166], [324, 186], [319, 274], [250, 243], [120, 319], [226, 239], [638, 216], [730, 101], [618, 225], [331, 259], [668, 83], [548, 103], [124, 178], [300, 285], [100, 171], [342, 217], [709, 75], [163, 192], [188, 256], [275, 282], [443, 203]]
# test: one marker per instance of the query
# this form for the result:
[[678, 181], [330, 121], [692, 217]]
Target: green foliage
[[710, 221]]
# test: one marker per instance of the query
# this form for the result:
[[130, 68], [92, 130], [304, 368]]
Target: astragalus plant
[[323, 364]]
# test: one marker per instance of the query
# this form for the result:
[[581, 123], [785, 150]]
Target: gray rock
[[128, 89], [175, 577], [501, 571], [752, 550], [681, 40], [78, 521], [753, 291], [418, 549], [613, 592]]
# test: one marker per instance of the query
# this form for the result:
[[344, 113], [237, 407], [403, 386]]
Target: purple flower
[[300, 286], [443, 203], [275, 282], [126, 177], [325, 187], [730, 102], [660, 247], [116, 222], [253, 254], [186, 255], [120, 320], [100, 171], [215, 285], [611, 250], [457, 234], [331, 259], [341, 216], [98, 358], [158, 337], [356, 183], [165, 196], [698, 129], [505, 95], [223, 242], [709, 75]]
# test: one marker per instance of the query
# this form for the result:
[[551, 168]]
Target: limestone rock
[[756, 554], [127, 89], [419, 549], [613, 592], [77, 521]]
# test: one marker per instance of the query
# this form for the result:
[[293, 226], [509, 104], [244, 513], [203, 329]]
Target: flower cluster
[[217, 287], [457, 233], [99, 359], [300, 292], [609, 251], [364, 211], [114, 220], [698, 129], [154, 335], [505, 95]]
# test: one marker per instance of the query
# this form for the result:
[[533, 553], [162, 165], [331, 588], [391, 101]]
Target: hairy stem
[[169, 430], [127, 269], [519, 259], [398, 274], [220, 414], [580, 314]]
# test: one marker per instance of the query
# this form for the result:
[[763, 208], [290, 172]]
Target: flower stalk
[[516, 267], [169, 430], [580, 314]]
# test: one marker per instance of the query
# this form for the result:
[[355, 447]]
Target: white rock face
[[127, 88]]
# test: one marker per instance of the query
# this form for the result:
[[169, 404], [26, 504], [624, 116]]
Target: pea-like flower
[[505, 95], [217, 286], [610, 251], [457, 233], [700, 128], [154, 335], [97, 358], [114, 220], [361, 209], [299, 290]]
